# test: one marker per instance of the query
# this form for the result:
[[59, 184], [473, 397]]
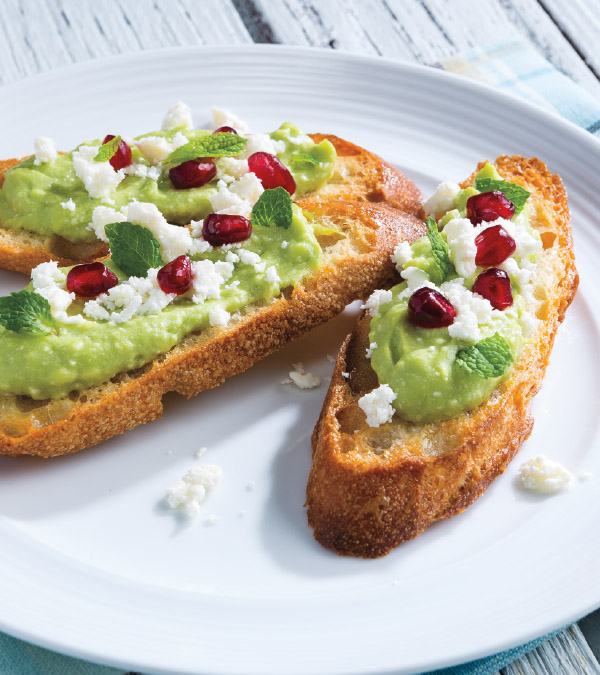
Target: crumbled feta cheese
[[178, 115], [211, 519], [285, 244], [45, 150], [346, 375], [201, 451], [231, 168], [251, 258], [369, 351], [460, 235], [142, 171], [225, 118], [261, 143], [68, 205], [442, 200], [174, 241], [224, 200], [189, 492], [156, 148], [103, 216], [471, 310], [376, 299], [377, 405], [248, 187], [232, 257], [415, 278], [526, 243], [98, 178], [402, 254], [302, 379], [208, 277], [272, 276], [543, 475], [133, 297], [217, 316], [49, 282]]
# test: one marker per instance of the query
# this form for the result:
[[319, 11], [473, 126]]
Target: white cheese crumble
[[45, 150], [251, 258], [376, 299], [442, 200], [189, 492], [217, 316], [471, 310], [103, 216], [377, 405], [174, 241], [272, 276], [225, 118], [178, 115], [402, 254], [238, 197], [156, 148], [98, 178], [211, 519], [285, 244], [142, 171], [68, 205], [231, 168], [49, 282], [369, 351], [208, 278], [460, 235], [201, 451], [302, 379], [261, 143], [543, 475]]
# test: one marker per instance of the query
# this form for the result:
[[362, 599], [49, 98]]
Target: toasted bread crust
[[371, 489], [203, 361], [359, 176]]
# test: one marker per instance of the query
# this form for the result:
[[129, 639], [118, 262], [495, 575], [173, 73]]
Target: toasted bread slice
[[359, 176], [372, 488], [352, 267]]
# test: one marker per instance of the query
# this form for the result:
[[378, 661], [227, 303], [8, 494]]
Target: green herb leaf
[[439, 250], [488, 358], [213, 145], [133, 248], [518, 195], [274, 207], [108, 150], [299, 158], [26, 312]]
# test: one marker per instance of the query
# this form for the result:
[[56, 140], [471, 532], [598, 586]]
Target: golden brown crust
[[359, 176], [371, 489], [203, 361]]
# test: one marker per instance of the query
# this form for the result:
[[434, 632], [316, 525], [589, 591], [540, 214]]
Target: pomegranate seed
[[489, 206], [221, 228], [429, 309], [91, 279], [192, 174], [225, 130], [122, 156], [494, 285], [271, 172], [494, 245], [176, 276]]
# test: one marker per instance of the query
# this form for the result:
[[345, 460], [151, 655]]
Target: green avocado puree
[[31, 196], [83, 355], [419, 364]]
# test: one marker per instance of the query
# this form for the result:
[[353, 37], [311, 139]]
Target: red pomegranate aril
[[271, 172], [91, 279], [122, 156], [176, 276], [192, 174], [225, 130], [488, 206], [494, 246], [222, 228], [494, 285], [429, 309]]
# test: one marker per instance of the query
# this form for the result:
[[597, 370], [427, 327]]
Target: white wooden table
[[39, 35]]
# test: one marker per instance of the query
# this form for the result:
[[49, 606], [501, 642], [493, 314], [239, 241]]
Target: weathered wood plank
[[38, 36]]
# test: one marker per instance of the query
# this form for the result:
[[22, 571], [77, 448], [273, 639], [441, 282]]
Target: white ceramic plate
[[92, 564]]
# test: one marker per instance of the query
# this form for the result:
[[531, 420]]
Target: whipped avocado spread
[[430, 374], [59, 195], [54, 341]]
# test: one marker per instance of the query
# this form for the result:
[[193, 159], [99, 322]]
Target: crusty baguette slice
[[352, 267], [359, 175], [372, 488]]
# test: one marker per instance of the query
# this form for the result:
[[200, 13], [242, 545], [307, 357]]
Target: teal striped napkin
[[515, 68]]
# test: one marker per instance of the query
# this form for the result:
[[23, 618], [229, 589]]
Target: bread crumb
[[302, 379]]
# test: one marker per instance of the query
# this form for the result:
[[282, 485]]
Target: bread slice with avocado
[[358, 176], [374, 487], [356, 240]]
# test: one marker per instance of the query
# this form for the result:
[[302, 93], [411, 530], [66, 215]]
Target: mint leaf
[[26, 312], [488, 358], [133, 248], [108, 150], [213, 145], [439, 250], [303, 158], [274, 207], [518, 195]]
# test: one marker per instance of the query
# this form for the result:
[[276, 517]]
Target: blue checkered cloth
[[517, 69]]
